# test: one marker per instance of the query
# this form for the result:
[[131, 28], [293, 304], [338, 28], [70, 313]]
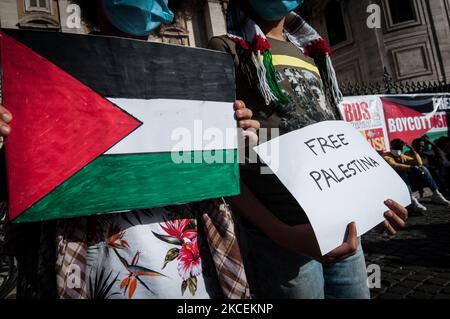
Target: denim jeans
[[277, 273], [412, 179]]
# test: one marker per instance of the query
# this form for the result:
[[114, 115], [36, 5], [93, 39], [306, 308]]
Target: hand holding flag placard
[[92, 123]]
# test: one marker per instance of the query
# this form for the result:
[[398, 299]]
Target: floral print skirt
[[153, 253]]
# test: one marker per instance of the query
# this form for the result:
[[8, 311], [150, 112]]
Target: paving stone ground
[[416, 262]]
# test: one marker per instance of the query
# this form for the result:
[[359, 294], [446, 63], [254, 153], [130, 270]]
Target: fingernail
[[5, 129], [389, 214], [388, 202], [6, 117]]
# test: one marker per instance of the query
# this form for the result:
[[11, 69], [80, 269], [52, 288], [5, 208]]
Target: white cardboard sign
[[336, 177]]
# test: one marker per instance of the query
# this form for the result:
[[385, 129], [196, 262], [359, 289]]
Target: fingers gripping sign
[[249, 127], [396, 218], [5, 119]]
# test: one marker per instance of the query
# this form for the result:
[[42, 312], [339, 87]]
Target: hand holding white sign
[[337, 178]]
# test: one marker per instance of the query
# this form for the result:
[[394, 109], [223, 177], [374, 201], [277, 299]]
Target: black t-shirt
[[300, 80]]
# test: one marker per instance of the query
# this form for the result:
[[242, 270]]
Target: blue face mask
[[273, 10], [137, 17]]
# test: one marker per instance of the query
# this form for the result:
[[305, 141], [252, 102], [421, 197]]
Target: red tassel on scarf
[[318, 49], [243, 44], [260, 44]]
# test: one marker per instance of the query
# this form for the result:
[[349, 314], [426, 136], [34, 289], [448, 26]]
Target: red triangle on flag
[[403, 122], [59, 124]]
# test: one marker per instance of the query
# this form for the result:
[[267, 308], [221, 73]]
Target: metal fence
[[389, 86]]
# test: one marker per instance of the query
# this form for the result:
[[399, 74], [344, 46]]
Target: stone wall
[[414, 50], [208, 21], [417, 50], [8, 14]]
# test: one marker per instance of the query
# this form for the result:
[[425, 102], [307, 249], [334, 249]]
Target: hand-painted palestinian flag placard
[[94, 123]]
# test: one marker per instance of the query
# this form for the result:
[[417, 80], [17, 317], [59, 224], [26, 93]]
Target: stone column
[[214, 19], [439, 16], [9, 16], [68, 13]]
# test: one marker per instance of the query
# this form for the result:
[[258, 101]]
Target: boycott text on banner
[[411, 116], [366, 114], [336, 177]]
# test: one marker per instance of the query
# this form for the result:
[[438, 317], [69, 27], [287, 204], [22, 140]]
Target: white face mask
[[396, 152]]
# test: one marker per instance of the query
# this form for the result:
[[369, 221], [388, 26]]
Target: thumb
[[352, 235]]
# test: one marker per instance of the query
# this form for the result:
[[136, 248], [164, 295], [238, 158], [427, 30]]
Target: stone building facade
[[60, 15], [413, 43]]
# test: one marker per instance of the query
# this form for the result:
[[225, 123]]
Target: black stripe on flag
[[123, 68], [422, 104]]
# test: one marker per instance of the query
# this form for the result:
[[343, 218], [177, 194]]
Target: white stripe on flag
[[177, 125]]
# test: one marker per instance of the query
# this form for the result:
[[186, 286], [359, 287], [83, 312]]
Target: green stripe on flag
[[150, 180], [436, 135]]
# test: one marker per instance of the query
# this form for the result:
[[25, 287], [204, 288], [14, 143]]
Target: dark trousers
[[413, 179]]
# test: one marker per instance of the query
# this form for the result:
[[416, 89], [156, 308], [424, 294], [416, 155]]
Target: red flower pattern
[[189, 261], [189, 264], [178, 228]]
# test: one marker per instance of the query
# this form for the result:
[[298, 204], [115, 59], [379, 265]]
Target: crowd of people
[[423, 164], [259, 244]]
